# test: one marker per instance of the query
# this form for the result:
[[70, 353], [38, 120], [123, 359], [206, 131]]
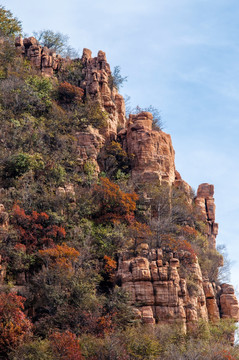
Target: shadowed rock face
[[163, 295], [89, 144]]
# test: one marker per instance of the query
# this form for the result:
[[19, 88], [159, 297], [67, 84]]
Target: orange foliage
[[34, 230], [61, 256], [14, 326], [177, 244], [20, 247], [114, 203], [69, 93], [140, 231], [188, 231], [109, 267], [104, 325], [224, 355], [98, 322], [65, 346]]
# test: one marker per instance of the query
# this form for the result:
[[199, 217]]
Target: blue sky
[[182, 57]]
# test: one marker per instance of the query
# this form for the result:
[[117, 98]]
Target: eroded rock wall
[[42, 58], [97, 82], [161, 293], [152, 150], [205, 208], [98, 86]]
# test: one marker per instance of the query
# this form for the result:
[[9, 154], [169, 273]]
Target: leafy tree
[[7, 56], [71, 73], [65, 346], [9, 25], [116, 162], [14, 326], [17, 165], [25, 95], [116, 79], [35, 230], [114, 204], [60, 256], [42, 86], [55, 41]]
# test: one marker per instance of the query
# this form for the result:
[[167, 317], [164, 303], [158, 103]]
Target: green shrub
[[72, 73], [116, 79], [42, 86], [34, 350], [17, 165], [20, 97]]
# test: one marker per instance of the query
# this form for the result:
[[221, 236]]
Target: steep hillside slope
[[98, 230]]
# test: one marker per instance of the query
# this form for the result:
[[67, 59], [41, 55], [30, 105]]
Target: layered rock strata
[[161, 294]]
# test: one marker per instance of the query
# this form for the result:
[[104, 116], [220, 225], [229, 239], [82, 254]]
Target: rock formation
[[42, 58], [162, 294], [159, 290], [89, 144], [97, 81], [205, 208], [98, 86], [152, 150]]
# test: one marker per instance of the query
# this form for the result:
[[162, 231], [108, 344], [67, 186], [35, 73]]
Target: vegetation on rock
[[68, 218]]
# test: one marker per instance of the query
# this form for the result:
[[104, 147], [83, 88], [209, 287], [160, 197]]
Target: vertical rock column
[[98, 87], [152, 150], [40, 57], [205, 208]]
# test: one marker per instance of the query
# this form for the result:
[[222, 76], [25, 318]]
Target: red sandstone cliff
[[161, 294]]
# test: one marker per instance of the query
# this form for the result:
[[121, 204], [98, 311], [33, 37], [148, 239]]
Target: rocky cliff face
[[159, 289], [97, 82], [205, 207], [42, 58], [97, 86], [153, 151], [161, 293]]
